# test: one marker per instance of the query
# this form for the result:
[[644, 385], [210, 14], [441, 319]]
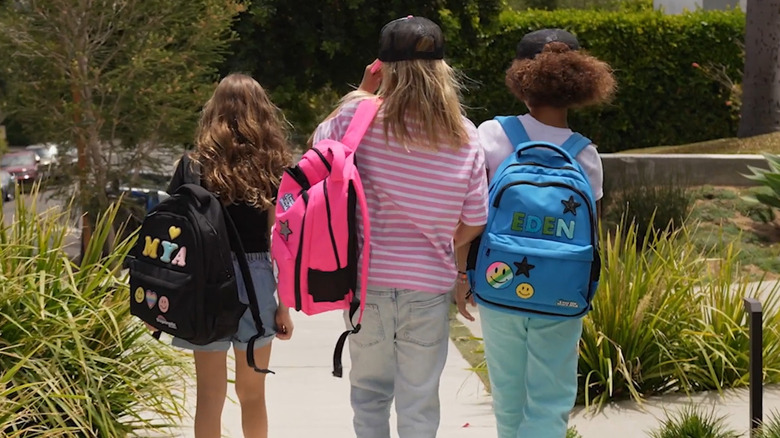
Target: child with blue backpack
[[535, 270]]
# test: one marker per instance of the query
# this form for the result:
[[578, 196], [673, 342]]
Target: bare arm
[[464, 234]]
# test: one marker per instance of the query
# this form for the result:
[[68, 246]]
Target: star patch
[[570, 206], [524, 268], [284, 229]]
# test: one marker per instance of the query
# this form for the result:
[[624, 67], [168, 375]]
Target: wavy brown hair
[[241, 143], [421, 101], [561, 78]]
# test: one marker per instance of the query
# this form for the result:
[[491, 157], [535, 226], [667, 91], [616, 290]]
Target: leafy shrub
[[73, 361], [664, 321], [769, 178], [770, 428], [652, 208], [691, 422], [661, 99]]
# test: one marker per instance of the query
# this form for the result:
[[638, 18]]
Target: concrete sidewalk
[[305, 400]]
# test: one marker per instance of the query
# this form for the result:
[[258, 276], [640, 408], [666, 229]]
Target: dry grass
[[752, 145]]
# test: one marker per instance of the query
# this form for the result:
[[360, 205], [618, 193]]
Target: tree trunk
[[761, 81]]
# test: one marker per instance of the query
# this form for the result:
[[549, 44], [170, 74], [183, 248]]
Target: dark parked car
[[22, 165], [138, 197], [7, 186]]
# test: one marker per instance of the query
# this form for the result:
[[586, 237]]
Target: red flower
[[695, 65]]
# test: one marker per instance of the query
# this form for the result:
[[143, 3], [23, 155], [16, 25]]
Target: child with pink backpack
[[423, 179]]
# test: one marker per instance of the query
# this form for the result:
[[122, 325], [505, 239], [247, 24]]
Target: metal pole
[[753, 308]]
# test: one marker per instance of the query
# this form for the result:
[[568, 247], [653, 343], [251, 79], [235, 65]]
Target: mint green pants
[[532, 364]]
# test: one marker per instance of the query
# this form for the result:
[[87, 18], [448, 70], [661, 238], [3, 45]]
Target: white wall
[[677, 6]]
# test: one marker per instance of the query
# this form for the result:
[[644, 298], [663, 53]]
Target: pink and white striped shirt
[[415, 198]]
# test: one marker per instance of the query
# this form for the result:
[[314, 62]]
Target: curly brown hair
[[561, 78], [241, 143]]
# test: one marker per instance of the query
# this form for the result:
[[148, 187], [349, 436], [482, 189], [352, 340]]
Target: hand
[[463, 297], [284, 324], [371, 81]]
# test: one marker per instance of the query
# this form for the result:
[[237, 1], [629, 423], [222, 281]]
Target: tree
[[120, 80], [301, 49], [761, 81]]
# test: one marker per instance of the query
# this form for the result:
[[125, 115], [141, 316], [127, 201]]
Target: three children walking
[[425, 170]]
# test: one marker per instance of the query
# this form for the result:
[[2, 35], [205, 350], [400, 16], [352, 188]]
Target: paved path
[[303, 384]]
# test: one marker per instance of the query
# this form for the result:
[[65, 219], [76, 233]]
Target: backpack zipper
[[330, 227], [537, 312], [536, 164], [322, 157], [299, 256]]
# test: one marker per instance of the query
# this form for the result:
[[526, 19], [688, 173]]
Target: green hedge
[[662, 99]]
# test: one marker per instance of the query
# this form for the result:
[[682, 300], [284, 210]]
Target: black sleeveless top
[[251, 222]]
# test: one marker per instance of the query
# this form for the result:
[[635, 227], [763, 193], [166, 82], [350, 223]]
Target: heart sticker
[[174, 232], [151, 298], [139, 295]]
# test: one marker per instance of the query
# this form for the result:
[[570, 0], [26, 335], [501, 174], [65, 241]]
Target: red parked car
[[23, 165]]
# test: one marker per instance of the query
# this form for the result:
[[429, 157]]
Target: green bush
[[691, 422], [770, 428], [651, 208], [664, 320], [662, 98], [768, 178], [73, 361]]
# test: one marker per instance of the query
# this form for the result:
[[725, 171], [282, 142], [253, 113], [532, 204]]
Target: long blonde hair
[[242, 143], [421, 103]]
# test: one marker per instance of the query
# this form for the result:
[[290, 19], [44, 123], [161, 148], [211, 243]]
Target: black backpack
[[182, 280]]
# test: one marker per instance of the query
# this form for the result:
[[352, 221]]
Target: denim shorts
[[265, 289]]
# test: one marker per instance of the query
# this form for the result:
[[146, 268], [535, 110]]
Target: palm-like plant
[[78, 364], [769, 178]]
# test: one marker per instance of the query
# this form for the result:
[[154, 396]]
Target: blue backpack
[[538, 256]]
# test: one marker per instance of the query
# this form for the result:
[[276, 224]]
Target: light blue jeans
[[399, 353], [532, 364]]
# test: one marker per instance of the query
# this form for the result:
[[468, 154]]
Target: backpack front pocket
[[534, 276], [164, 299]]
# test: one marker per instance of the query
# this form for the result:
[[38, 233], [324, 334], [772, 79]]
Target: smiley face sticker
[[524, 290], [163, 304], [139, 295], [499, 275]]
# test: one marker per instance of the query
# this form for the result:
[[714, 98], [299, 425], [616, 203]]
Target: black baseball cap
[[399, 40], [533, 43]]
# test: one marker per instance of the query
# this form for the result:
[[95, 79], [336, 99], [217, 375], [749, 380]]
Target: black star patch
[[570, 206], [524, 267], [284, 229]]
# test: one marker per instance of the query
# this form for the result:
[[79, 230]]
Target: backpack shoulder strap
[[254, 306], [364, 115], [575, 144], [514, 129]]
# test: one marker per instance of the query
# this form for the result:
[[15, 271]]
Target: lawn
[[724, 216], [753, 145]]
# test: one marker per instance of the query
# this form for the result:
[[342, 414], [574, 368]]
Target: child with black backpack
[[241, 152], [537, 264]]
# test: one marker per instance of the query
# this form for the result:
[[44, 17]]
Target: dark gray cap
[[399, 40], [533, 43]]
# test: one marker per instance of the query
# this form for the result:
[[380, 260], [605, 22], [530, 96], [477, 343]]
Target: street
[[46, 203]]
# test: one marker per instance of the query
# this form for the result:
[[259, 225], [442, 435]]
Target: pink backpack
[[314, 242]]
